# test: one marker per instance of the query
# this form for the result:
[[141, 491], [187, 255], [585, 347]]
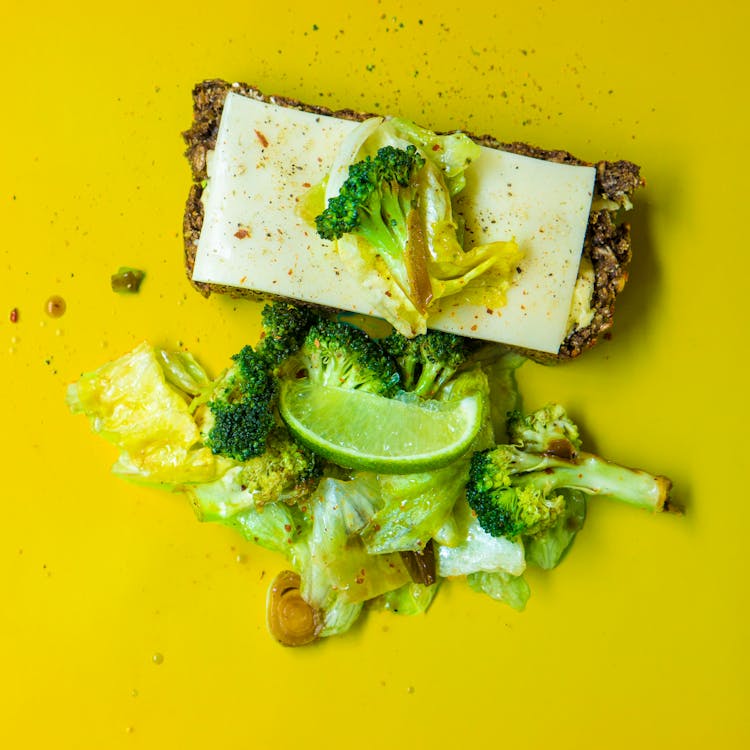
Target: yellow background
[[638, 640]]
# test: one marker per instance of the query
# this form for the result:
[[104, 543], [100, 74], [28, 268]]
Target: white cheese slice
[[253, 237]]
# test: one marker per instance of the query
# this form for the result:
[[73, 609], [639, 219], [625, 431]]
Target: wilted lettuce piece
[[504, 587], [183, 371], [477, 550], [339, 616], [222, 498], [547, 549], [505, 397], [451, 267], [414, 508], [169, 467], [131, 404], [410, 599], [277, 527], [339, 561], [452, 153]]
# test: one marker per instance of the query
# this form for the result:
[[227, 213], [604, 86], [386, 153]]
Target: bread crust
[[607, 240]]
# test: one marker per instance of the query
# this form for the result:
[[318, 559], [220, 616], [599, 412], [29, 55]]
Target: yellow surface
[[125, 623]]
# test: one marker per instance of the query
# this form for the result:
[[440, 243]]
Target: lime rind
[[359, 430]]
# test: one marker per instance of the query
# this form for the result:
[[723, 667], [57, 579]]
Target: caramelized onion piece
[[291, 620], [415, 259], [421, 565]]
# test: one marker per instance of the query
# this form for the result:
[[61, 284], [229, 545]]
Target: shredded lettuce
[[410, 599], [547, 550], [478, 550], [131, 403], [503, 587]]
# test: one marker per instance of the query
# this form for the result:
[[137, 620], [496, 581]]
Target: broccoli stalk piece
[[378, 203], [341, 355], [515, 490], [242, 408], [375, 200], [428, 361], [285, 325]]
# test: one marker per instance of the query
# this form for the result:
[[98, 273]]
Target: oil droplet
[[129, 730], [410, 689], [157, 658], [241, 559], [134, 693], [55, 306]]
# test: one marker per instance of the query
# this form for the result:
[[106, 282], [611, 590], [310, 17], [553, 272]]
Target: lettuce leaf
[[130, 403], [410, 599], [547, 550], [477, 550], [503, 587]]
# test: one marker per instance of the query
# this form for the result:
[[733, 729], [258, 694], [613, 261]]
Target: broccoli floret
[[286, 470], [547, 430], [375, 200], [341, 355], [285, 325], [515, 490], [241, 405], [428, 361]]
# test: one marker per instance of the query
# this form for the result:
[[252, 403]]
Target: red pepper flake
[[14, 315], [287, 527], [474, 327], [490, 311], [241, 234], [263, 140], [306, 185], [436, 147]]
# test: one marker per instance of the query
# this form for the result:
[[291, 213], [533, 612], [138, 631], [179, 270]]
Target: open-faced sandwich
[[498, 241], [380, 464]]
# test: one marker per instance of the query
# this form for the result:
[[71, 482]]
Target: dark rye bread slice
[[607, 241]]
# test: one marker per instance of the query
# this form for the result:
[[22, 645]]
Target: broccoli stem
[[595, 476], [432, 378]]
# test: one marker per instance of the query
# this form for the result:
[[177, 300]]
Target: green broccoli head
[[504, 507], [428, 361], [375, 200], [286, 470], [518, 490], [547, 430], [343, 356], [285, 325], [241, 406]]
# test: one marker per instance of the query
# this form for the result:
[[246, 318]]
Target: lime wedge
[[360, 430]]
